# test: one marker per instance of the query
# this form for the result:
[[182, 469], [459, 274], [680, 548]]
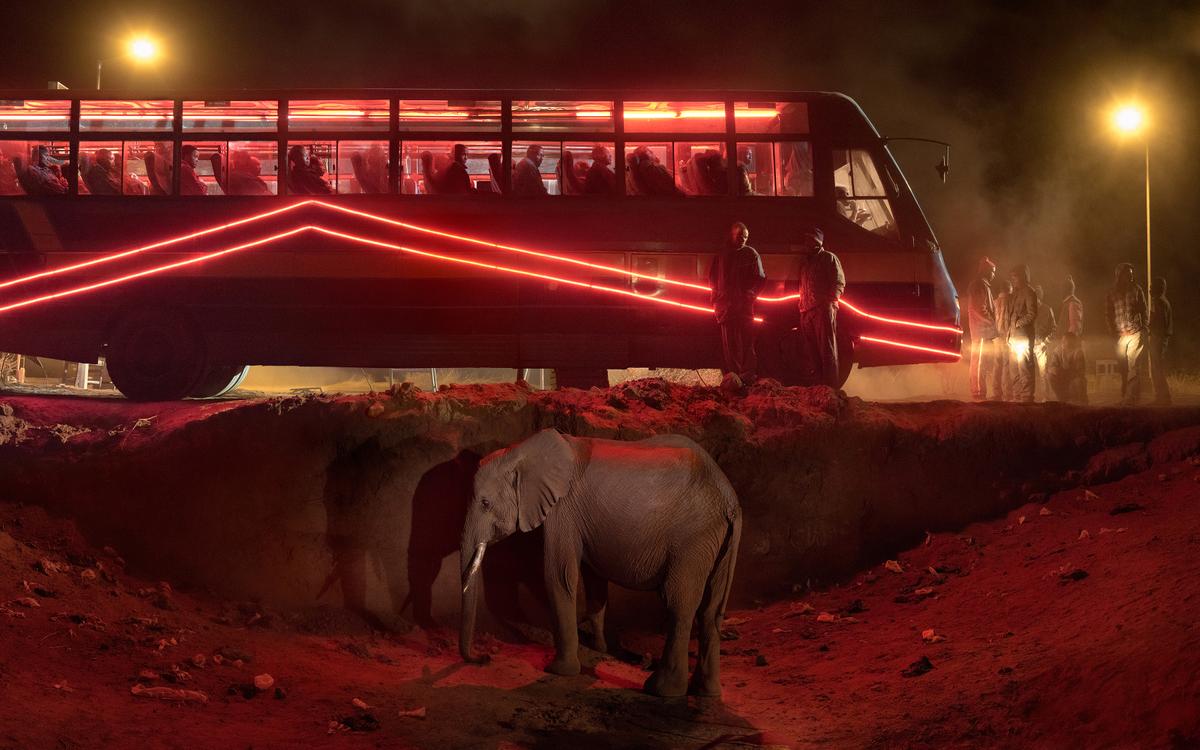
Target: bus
[[185, 238]]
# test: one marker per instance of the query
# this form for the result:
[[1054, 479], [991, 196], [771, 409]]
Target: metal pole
[[99, 69], [1149, 276]]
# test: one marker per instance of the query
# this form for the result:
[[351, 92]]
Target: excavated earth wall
[[239, 497]]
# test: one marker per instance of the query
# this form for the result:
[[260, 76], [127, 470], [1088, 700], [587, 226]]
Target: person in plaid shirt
[[1126, 314]]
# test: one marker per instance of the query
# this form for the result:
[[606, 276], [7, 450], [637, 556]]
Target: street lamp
[[142, 49], [1130, 120]]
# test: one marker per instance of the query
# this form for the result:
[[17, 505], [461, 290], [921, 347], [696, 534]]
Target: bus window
[[535, 168], [701, 168], [126, 115], [442, 114], [19, 116], [771, 117], [203, 168], [230, 116], [586, 168], [362, 167], [330, 115], [650, 169], [562, 116], [674, 117], [33, 167], [250, 168], [860, 193], [113, 168], [755, 169], [451, 167], [794, 168]]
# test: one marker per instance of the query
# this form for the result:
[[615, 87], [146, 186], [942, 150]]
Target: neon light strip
[[872, 316], [144, 248], [150, 271], [915, 347]]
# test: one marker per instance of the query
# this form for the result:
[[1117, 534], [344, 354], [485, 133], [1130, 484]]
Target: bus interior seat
[[496, 169], [429, 176], [218, 171], [150, 159], [568, 176]]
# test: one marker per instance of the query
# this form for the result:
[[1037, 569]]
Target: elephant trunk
[[472, 559]]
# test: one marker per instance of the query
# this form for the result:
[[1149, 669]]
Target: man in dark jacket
[[455, 179], [981, 317], [736, 277], [1022, 310], [821, 285], [601, 180], [1162, 327], [1127, 316], [527, 175]]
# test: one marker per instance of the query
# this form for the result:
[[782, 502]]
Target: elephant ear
[[545, 465]]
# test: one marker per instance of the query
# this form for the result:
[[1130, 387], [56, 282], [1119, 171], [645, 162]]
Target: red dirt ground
[[1035, 654]]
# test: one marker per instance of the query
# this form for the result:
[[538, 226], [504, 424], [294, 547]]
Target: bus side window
[[794, 168], [33, 167], [859, 192], [450, 167]]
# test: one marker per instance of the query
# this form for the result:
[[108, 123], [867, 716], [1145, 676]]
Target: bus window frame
[[395, 137]]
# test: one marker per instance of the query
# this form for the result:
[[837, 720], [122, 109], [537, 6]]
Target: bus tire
[[155, 354], [218, 380]]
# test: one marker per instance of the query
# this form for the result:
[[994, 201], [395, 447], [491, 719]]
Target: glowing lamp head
[[1129, 118], [143, 48]]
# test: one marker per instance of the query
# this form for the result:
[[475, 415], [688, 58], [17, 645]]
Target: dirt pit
[[188, 547]]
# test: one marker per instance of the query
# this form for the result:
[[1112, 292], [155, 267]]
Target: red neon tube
[[915, 347]]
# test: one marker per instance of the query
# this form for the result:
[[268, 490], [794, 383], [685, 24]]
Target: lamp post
[[1130, 120], [140, 48]]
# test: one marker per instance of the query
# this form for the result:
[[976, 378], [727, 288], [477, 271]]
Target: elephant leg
[[562, 576], [595, 589], [706, 681], [682, 598]]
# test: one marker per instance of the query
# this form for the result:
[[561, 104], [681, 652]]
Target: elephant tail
[[721, 582]]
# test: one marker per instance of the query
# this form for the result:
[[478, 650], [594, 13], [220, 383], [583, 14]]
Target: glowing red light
[[915, 347]]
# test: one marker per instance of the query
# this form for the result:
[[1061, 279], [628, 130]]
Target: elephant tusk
[[476, 562]]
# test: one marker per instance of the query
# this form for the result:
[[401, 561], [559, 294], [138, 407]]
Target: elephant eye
[[486, 503]]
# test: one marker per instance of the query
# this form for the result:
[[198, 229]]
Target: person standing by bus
[[1002, 368], [527, 175], [1022, 311], [1162, 326], [981, 317], [1044, 328], [736, 277], [821, 285], [1127, 317]]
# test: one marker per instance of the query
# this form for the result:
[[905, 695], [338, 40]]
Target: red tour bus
[[185, 238]]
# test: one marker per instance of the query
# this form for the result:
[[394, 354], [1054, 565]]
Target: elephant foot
[[666, 684], [564, 667], [704, 687]]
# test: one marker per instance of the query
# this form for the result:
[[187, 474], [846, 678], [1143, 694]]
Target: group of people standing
[[1017, 340], [736, 277]]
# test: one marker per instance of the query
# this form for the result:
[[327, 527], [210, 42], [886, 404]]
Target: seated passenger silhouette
[[648, 175], [102, 177], [527, 175], [370, 169], [454, 179], [571, 174], [158, 168], [245, 172], [189, 182], [601, 180], [306, 175], [42, 176]]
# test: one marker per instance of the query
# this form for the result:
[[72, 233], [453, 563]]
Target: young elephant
[[657, 514]]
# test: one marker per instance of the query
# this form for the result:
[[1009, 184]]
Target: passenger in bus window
[[736, 277], [245, 172], [454, 179], [647, 174], [527, 176], [370, 169], [158, 168], [43, 176], [189, 182], [306, 176], [103, 177], [601, 180], [848, 209], [571, 174]]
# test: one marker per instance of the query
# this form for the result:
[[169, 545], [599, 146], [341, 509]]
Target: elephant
[[655, 514]]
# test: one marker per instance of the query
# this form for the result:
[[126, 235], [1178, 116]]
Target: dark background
[[1022, 90]]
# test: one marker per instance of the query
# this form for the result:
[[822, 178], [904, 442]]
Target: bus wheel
[[218, 380], [581, 377], [155, 355]]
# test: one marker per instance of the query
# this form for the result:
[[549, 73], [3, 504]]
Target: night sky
[[1020, 88]]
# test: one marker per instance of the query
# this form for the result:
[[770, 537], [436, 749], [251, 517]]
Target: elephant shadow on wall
[[439, 509]]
